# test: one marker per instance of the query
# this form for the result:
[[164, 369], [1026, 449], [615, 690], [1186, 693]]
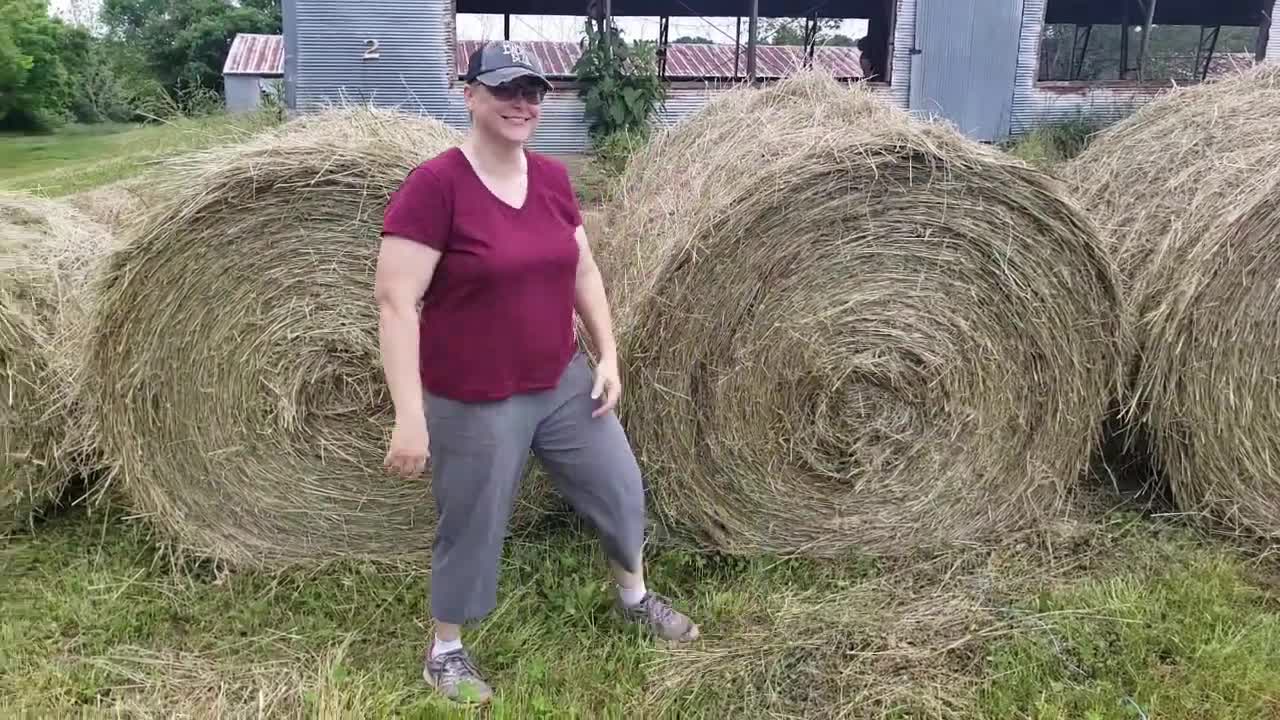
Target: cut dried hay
[[148, 684], [114, 205], [1187, 191], [910, 637], [845, 328], [242, 391], [907, 644], [47, 252]]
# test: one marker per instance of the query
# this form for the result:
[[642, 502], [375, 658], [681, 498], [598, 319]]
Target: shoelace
[[459, 665], [658, 608]]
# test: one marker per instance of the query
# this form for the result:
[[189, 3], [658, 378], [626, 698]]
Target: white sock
[[444, 646], [631, 596]]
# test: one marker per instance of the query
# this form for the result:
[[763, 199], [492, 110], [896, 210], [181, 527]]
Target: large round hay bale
[[242, 390], [1187, 191], [843, 328], [47, 252]]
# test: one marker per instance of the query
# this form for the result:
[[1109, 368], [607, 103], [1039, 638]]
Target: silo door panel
[[964, 62]]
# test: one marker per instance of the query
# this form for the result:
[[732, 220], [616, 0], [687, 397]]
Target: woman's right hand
[[410, 448]]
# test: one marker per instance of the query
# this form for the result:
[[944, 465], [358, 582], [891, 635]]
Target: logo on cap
[[515, 52]]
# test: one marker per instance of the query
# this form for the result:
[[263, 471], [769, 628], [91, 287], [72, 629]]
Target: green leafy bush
[[618, 82]]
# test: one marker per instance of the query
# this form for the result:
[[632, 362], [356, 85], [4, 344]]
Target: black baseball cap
[[502, 61]]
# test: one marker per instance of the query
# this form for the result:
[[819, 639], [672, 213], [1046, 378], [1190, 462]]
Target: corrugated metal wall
[[898, 92], [1273, 44], [289, 14], [325, 45], [331, 41]]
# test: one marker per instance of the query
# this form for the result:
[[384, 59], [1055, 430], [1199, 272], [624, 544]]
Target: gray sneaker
[[655, 612], [455, 676]]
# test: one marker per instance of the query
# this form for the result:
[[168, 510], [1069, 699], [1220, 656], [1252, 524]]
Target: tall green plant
[[618, 82]]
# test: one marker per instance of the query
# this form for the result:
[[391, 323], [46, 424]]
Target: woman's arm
[[593, 306], [402, 277]]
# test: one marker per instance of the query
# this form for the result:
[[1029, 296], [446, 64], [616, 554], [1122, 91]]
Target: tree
[[791, 32], [691, 40], [185, 42], [35, 87]]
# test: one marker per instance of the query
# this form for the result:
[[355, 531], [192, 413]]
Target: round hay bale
[[843, 328], [1187, 191], [242, 390], [47, 252]]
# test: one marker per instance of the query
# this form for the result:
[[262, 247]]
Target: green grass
[[1126, 620], [1190, 638], [93, 615], [81, 157], [1052, 145]]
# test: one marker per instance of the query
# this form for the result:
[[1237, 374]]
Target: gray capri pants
[[478, 455]]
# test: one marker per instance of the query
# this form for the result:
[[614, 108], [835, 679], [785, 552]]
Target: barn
[[993, 69], [254, 68]]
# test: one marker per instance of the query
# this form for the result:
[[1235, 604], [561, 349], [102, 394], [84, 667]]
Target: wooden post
[[1208, 56], [1264, 32], [506, 27], [1142, 42], [664, 44], [737, 48], [810, 39], [752, 28], [1124, 51], [607, 28]]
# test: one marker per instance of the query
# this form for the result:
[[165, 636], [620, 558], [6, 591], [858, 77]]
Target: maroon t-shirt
[[497, 319]]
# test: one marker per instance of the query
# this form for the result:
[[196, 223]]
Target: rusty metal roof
[[845, 9], [689, 61], [252, 54]]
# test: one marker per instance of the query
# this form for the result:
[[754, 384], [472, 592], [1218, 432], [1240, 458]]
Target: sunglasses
[[507, 92]]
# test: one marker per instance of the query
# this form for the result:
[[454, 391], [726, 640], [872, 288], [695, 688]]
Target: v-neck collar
[[528, 182]]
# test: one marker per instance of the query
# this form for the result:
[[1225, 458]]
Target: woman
[[489, 237]]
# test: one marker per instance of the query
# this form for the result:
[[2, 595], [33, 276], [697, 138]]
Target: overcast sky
[[539, 27]]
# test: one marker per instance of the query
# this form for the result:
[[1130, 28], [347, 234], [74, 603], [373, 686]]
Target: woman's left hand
[[609, 384]]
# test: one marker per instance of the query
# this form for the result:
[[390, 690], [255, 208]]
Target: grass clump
[[1048, 146]]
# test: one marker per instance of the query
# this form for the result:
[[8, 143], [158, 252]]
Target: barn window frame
[[1147, 23], [561, 84]]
